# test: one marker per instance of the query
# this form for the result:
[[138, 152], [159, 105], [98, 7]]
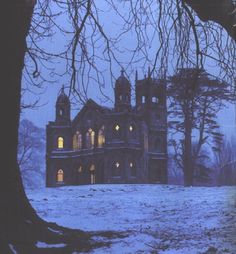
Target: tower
[[151, 102], [122, 93], [62, 108]]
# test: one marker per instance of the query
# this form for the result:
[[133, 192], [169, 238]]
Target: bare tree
[[31, 153], [225, 163], [182, 41]]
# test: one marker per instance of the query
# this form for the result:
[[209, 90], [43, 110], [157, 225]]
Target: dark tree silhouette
[[20, 226], [195, 100]]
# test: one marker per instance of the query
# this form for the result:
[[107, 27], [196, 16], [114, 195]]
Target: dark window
[[158, 145]]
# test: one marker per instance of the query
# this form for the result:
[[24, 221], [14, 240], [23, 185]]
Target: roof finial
[[122, 72], [149, 72], [62, 89]]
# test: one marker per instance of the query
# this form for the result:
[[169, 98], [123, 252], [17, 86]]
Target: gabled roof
[[90, 105]]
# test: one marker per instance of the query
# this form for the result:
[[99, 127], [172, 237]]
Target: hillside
[[163, 219]]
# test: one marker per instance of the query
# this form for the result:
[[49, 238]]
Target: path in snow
[[159, 219]]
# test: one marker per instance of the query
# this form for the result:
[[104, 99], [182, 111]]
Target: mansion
[[123, 144]]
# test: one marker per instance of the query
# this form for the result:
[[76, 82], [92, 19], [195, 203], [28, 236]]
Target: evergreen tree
[[195, 99]]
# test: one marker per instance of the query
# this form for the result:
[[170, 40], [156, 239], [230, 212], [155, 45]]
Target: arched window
[[132, 131], [143, 99], [77, 141], [133, 171], [116, 169], [90, 138], [155, 99], [101, 137], [92, 174], [60, 142], [60, 176]]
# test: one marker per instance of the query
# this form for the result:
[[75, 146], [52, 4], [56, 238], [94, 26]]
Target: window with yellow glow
[[77, 141], [117, 127], [101, 137], [60, 142], [60, 176], [90, 138]]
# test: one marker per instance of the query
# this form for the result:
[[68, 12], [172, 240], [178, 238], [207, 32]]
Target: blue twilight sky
[[46, 112]]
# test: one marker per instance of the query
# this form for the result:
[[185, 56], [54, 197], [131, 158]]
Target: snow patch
[[156, 218], [46, 245]]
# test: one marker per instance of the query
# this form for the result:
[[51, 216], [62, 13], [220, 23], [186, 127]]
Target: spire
[[122, 72], [149, 72], [136, 75]]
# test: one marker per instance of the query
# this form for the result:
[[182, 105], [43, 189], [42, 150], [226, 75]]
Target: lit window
[[116, 171], [133, 171], [92, 167], [60, 176], [143, 99], [60, 142], [131, 128], [77, 141], [117, 127], [101, 137], [131, 164], [90, 137], [80, 169], [154, 99], [92, 174]]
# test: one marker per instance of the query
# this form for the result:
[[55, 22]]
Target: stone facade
[[124, 144]]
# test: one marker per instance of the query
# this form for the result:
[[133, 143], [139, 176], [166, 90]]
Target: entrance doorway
[[92, 174]]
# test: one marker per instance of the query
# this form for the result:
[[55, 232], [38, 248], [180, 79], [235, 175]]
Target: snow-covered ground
[[155, 218]]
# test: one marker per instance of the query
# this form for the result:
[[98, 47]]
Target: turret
[[62, 108], [122, 93]]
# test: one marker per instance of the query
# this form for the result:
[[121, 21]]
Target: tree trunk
[[187, 160], [20, 227]]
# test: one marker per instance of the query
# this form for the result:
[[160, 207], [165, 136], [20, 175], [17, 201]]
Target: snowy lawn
[[156, 218]]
